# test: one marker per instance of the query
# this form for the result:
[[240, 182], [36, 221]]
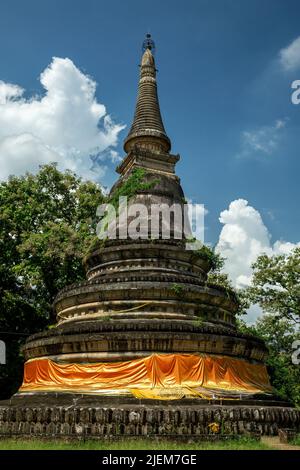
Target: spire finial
[[148, 43], [147, 129]]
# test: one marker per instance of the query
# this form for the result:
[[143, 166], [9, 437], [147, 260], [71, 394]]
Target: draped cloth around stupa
[[158, 376]]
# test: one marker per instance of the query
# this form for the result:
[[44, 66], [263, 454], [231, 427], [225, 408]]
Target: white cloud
[[243, 238], [263, 140], [290, 56], [66, 125], [9, 92]]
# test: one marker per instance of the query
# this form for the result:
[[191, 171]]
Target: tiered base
[[146, 353], [69, 416]]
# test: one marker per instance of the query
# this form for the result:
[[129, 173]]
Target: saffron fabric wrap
[[158, 376]]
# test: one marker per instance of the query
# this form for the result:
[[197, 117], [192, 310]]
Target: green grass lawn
[[130, 444], [296, 442]]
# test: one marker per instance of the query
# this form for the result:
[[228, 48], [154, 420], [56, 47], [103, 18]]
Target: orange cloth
[[168, 376]]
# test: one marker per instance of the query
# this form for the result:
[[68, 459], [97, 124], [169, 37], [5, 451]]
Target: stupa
[[145, 345]]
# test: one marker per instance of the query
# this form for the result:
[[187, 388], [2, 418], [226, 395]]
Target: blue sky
[[225, 94]]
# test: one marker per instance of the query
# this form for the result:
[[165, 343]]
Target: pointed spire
[[147, 129]]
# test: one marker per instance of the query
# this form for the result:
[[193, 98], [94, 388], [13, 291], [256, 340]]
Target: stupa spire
[[147, 129]]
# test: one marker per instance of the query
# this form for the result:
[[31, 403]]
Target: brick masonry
[[156, 421]]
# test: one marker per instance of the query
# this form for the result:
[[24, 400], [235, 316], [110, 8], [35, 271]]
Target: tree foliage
[[276, 288], [279, 335], [218, 278], [276, 285], [46, 224]]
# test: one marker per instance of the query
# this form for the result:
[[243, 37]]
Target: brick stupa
[[145, 345]]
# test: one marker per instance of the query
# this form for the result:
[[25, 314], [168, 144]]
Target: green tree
[[47, 221], [279, 335], [276, 288], [218, 278], [276, 285]]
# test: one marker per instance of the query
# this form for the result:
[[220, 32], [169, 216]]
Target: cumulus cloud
[[66, 125], [243, 238], [9, 92], [290, 56], [263, 141]]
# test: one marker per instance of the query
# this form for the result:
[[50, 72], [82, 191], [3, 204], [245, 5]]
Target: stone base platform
[[83, 417]]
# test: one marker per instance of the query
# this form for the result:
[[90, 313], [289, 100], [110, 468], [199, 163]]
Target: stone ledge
[[118, 346], [144, 421], [96, 326]]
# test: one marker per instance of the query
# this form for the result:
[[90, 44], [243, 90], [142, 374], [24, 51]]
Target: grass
[[296, 441], [130, 444]]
